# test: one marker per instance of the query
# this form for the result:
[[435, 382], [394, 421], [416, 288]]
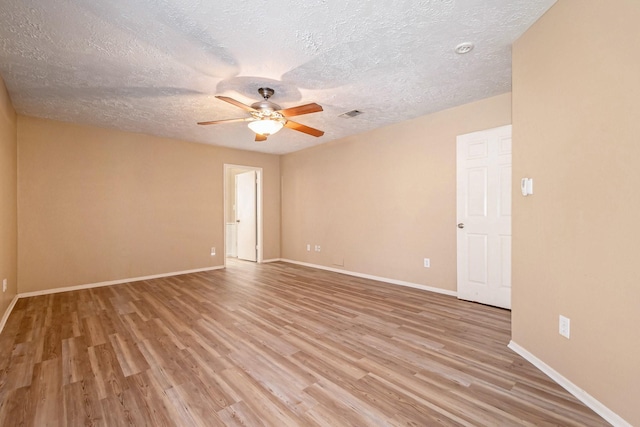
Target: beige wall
[[98, 205], [576, 131], [8, 201], [382, 201]]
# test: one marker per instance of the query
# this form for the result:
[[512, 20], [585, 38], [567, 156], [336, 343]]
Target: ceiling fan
[[268, 118]]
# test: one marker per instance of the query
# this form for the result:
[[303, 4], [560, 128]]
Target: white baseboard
[[378, 278], [579, 393], [114, 282], [7, 312], [265, 261]]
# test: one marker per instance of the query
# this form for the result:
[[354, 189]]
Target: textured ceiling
[[154, 66]]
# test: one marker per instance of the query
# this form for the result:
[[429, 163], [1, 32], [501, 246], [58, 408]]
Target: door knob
[[461, 225]]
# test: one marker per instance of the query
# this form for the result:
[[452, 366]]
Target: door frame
[[227, 167]]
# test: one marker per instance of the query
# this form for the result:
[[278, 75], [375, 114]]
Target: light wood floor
[[274, 345]]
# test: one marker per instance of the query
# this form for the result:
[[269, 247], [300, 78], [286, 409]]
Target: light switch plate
[[564, 326]]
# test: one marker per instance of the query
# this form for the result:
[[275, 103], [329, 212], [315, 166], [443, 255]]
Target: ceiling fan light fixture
[[266, 127]]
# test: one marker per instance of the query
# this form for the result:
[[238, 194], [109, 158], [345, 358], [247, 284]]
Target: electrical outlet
[[213, 251], [427, 263], [308, 247], [564, 327], [317, 248], [4, 285]]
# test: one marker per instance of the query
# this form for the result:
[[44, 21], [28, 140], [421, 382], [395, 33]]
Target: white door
[[246, 215], [484, 216]]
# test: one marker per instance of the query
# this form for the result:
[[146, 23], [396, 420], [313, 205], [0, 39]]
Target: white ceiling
[[154, 66]]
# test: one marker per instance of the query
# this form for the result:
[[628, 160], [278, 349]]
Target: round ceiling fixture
[[463, 48]]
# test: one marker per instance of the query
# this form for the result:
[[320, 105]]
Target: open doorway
[[243, 212]]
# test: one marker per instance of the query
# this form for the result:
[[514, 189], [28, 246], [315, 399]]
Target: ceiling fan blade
[[301, 109], [260, 138], [236, 103], [302, 128], [214, 122]]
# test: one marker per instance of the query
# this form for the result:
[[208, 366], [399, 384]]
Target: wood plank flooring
[[269, 345]]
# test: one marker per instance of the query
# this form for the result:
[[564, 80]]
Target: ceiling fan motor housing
[[265, 106]]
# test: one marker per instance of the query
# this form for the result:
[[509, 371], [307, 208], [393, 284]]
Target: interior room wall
[[380, 202], [100, 205], [576, 127], [8, 199]]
